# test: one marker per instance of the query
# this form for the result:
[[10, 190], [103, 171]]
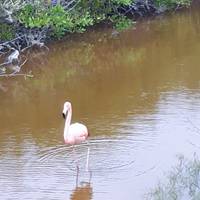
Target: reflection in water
[[84, 191], [138, 94]]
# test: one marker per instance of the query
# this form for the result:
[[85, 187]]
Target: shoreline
[[12, 50]]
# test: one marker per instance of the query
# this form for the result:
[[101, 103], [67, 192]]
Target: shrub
[[61, 20]]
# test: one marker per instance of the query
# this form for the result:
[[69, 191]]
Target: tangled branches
[[9, 7], [12, 52]]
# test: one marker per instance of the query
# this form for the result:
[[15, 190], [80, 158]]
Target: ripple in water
[[107, 156]]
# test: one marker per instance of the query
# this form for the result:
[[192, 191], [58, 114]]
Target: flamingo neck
[[67, 122]]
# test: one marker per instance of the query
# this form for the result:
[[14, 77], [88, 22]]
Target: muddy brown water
[[139, 94]]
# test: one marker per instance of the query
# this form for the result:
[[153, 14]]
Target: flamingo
[[75, 133]]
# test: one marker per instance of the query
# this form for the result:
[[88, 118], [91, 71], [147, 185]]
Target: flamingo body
[[77, 133], [73, 133]]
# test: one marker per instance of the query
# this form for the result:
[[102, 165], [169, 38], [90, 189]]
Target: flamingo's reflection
[[83, 190]]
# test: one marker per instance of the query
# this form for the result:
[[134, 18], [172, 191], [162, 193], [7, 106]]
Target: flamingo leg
[[74, 155], [77, 174], [87, 160]]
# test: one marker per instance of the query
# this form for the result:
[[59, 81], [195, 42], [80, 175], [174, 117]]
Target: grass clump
[[183, 182]]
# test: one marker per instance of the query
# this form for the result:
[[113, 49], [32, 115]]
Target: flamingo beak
[[63, 114]]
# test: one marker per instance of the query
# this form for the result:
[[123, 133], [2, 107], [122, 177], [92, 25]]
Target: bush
[[60, 20], [77, 15]]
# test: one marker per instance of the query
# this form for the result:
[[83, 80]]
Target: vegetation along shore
[[27, 23]]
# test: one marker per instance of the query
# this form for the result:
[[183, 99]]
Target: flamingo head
[[66, 107]]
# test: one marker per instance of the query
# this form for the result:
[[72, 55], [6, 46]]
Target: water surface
[[138, 92]]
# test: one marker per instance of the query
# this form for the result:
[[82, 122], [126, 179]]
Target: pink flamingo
[[74, 133]]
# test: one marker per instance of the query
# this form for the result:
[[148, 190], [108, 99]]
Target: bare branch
[[11, 75]]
